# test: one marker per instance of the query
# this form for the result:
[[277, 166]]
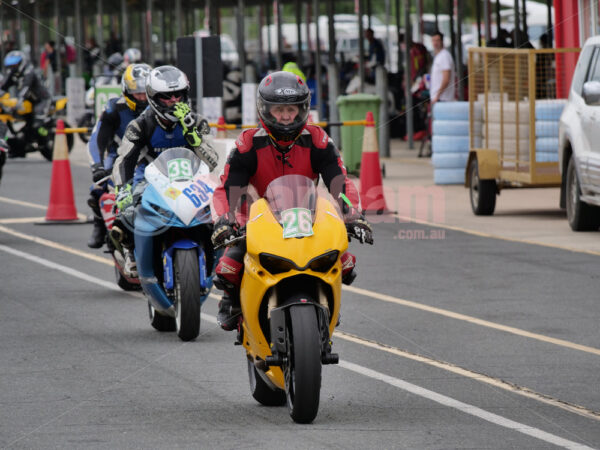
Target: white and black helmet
[[166, 82]]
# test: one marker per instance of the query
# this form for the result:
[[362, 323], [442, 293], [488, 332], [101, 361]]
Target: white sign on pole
[[102, 94], [249, 104], [212, 108], [76, 95]]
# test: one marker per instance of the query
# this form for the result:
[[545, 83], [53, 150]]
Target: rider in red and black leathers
[[264, 154]]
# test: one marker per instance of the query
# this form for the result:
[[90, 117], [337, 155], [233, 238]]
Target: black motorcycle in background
[[22, 137]]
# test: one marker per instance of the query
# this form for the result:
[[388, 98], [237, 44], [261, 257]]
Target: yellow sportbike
[[24, 137], [290, 293]]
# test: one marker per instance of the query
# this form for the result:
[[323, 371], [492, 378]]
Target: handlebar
[[239, 238]]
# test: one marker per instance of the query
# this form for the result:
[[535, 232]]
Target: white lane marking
[[65, 269], [417, 390], [463, 407], [470, 319]]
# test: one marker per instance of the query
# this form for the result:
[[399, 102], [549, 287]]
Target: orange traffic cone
[[371, 184], [221, 130], [61, 207]]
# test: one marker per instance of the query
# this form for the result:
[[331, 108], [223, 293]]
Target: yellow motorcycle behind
[[23, 138], [290, 293]]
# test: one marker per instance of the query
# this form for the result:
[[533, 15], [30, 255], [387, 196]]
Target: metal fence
[[516, 98]]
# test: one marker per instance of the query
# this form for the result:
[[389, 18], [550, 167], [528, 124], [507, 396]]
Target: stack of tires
[[450, 140], [504, 134], [547, 115]]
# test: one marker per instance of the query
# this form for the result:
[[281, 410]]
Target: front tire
[[581, 216], [481, 192], [261, 391], [187, 293], [303, 367]]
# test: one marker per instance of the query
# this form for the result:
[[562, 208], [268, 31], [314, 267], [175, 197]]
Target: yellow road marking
[[33, 205], [22, 203], [375, 295], [493, 236], [520, 390], [22, 220], [56, 245], [474, 320]]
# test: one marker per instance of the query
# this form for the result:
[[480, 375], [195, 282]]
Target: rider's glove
[[98, 172], [193, 132], [208, 155], [187, 119], [358, 227], [124, 197], [224, 230]]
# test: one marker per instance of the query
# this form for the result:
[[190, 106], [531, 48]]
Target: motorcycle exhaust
[[117, 234]]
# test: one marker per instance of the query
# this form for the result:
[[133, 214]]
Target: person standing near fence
[[443, 77]]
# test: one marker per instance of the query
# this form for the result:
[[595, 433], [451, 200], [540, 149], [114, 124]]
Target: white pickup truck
[[579, 142]]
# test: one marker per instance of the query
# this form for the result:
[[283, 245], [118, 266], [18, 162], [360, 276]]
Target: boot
[[130, 264], [348, 278], [227, 317], [99, 231], [98, 236]]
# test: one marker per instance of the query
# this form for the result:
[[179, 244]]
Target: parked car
[[579, 135]]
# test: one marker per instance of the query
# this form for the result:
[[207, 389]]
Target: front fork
[[278, 326]]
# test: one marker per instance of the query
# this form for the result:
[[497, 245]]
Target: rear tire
[[261, 391], [187, 293], [581, 216], [481, 192], [302, 370], [86, 121], [160, 322]]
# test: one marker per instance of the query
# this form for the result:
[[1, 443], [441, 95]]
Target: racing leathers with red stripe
[[255, 161]]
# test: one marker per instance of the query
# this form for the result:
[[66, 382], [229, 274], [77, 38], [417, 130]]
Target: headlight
[[325, 262], [162, 211], [275, 264]]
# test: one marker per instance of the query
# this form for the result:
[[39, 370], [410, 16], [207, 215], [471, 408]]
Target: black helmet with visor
[[275, 90]]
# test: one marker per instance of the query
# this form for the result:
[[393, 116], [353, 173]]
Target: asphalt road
[[447, 340]]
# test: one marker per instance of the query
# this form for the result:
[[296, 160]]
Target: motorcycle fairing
[[265, 234], [144, 256], [188, 201]]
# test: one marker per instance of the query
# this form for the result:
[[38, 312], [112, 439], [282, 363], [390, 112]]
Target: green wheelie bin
[[355, 107]]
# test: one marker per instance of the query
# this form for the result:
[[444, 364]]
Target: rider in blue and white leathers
[[168, 123], [107, 135]]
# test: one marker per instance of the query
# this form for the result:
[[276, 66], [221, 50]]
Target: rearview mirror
[[591, 93]]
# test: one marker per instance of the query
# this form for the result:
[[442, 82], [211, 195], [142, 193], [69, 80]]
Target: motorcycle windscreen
[[183, 183], [293, 200]]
